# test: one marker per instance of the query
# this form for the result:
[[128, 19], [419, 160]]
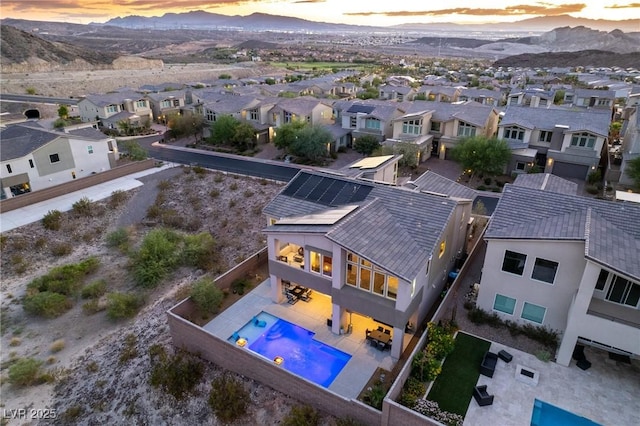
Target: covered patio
[[313, 315]]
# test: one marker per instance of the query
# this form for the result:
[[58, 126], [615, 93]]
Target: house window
[[31, 164], [54, 158], [372, 123], [533, 312], [320, 263], [545, 136], [514, 262], [253, 114], [210, 115], [602, 279], [544, 270], [624, 292], [112, 108], [90, 149], [583, 140], [176, 102], [514, 133], [466, 129], [353, 122], [287, 117], [504, 304], [165, 104], [9, 168], [603, 102], [412, 127], [141, 104], [443, 246], [361, 274], [520, 165], [435, 126]]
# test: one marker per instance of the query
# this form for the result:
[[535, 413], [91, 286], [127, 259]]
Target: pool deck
[[607, 393], [312, 316]]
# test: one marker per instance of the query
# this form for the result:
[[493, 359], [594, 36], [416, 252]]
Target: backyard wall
[[75, 185], [242, 269]]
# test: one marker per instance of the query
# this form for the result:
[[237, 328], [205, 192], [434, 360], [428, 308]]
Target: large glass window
[[504, 304], [514, 262], [435, 126], [466, 129], [320, 263], [533, 312], [514, 133], [54, 158], [545, 136], [112, 108], [624, 292], [372, 123], [583, 140], [544, 270], [412, 127], [602, 279], [362, 274]]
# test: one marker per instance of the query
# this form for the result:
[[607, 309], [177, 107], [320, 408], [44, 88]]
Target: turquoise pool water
[[545, 414], [300, 353]]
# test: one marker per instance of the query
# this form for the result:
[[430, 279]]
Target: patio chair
[[382, 346], [387, 331], [368, 334], [380, 328], [291, 299], [481, 396]]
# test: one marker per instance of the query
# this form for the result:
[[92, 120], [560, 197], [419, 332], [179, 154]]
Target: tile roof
[[395, 228], [610, 230], [473, 113], [595, 121], [18, 140], [432, 182], [546, 182], [113, 98]]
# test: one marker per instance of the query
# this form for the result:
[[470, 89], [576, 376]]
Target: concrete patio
[[606, 393]]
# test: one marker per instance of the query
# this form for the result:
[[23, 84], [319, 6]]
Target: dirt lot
[[92, 385]]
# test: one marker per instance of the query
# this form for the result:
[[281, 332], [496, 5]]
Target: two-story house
[[591, 98], [398, 93], [111, 108], [371, 117], [532, 97], [35, 158], [375, 250], [307, 109], [413, 127], [164, 104], [630, 148], [445, 94], [565, 262], [482, 96], [566, 142]]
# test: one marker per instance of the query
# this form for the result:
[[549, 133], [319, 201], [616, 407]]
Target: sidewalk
[[35, 212]]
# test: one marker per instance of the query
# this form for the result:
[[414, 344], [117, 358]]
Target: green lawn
[[453, 388]]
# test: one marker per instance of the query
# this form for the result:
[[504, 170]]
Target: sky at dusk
[[357, 12]]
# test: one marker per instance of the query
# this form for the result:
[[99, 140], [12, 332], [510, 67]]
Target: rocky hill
[[21, 51], [596, 58]]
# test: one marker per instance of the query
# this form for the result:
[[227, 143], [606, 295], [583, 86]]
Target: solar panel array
[[327, 191], [365, 109]]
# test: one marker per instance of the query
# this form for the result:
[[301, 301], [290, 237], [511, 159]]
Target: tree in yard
[[633, 170], [286, 134], [196, 122], [479, 154], [244, 136], [409, 153], [63, 112], [366, 144], [223, 130], [311, 143], [125, 127]]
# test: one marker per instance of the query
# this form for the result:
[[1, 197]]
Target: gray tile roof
[[232, 104], [595, 121], [113, 98], [303, 105], [395, 228], [161, 96], [473, 113], [432, 182], [88, 133], [610, 230], [18, 140], [547, 182]]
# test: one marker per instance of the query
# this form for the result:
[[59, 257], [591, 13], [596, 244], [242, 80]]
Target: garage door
[[569, 170]]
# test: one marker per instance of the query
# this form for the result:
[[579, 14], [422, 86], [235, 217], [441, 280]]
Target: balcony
[[615, 313]]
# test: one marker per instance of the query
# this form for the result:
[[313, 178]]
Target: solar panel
[[295, 185], [320, 189], [308, 186], [366, 109], [331, 192], [345, 194], [360, 194]]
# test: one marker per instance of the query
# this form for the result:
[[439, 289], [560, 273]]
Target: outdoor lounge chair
[[291, 299], [488, 365], [481, 396]]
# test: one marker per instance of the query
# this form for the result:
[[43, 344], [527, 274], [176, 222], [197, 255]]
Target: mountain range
[[264, 22]]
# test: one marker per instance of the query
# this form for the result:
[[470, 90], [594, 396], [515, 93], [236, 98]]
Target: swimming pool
[[293, 347], [545, 414]]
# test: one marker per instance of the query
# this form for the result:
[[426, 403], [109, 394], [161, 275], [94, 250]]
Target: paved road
[[37, 99]]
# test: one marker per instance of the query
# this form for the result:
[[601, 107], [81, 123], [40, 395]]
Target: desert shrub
[[83, 207], [214, 193], [164, 185], [192, 224], [72, 414], [57, 346], [301, 415], [46, 304], [176, 375], [157, 254], [172, 219], [65, 279], [543, 356], [541, 334], [25, 372], [348, 422], [374, 396], [440, 343], [15, 341], [248, 193], [207, 296], [61, 249], [200, 251], [199, 171], [94, 289], [219, 177], [19, 243], [239, 285], [228, 398], [591, 189], [117, 198], [93, 306], [130, 349], [233, 186], [118, 238], [52, 219], [123, 305], [232, 203], [154, 211]]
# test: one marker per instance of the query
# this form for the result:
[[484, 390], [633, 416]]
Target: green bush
[[61, 249], [301, 415], [94, 289], [425, 367], [118, 238], [214, 193], [200, 251], [123, 305], [52, 220], [25, 372], [93, 306], [239, 285], [176, 375], [157, 254], [374, 396], [65, 279], [46, 304], [83, 207], [117, 198], [228, 398], [591, 189], [440, 342], [207, 296]]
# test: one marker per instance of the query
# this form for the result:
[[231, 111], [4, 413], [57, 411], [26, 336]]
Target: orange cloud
[[623, 6], [126, 6], [541, 9]]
